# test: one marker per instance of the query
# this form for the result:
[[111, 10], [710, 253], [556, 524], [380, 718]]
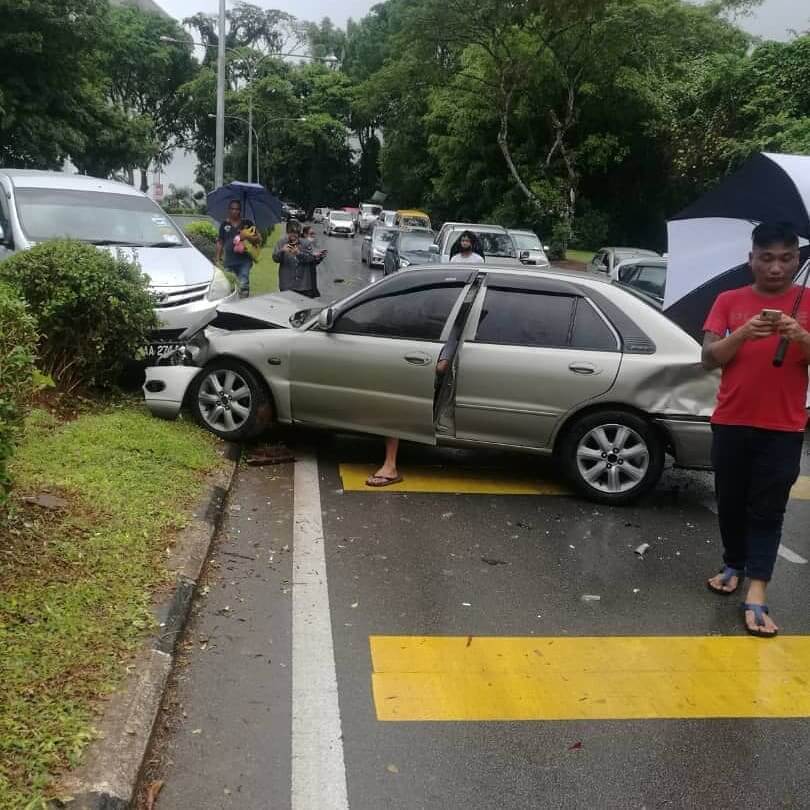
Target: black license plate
[[155, 352]]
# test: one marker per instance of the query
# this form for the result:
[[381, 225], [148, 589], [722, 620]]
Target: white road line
[[318, 768], [784, 552]]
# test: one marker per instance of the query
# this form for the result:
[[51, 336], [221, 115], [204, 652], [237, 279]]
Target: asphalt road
[[442, 648]]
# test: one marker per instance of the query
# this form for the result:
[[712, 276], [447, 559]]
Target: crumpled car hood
[[273, 308]]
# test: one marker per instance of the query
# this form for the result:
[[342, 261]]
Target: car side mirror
[[524, 255], [434, 248], [326, 318]]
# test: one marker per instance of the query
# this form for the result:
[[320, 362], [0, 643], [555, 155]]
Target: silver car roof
[[31, 178]]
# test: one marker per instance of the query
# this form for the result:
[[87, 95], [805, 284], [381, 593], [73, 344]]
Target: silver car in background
[[36, 206], [369, 214], [553, 363], [339, 223], [607, 259], [530, 249], [372, 251], [495, 241]]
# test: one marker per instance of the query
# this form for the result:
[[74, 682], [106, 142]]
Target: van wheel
[[230, 400], [612, 457]]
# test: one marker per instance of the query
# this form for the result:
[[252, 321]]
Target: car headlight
[[378, 253], [221, 286]]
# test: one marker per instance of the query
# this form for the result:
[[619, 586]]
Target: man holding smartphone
[[759, 422]]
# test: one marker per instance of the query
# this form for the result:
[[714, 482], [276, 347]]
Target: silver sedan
[[545, 362]]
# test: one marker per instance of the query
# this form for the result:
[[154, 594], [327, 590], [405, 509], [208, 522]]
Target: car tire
[[586, 452], [248, 410]]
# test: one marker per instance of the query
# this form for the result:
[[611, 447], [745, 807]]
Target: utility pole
[[219, 157]]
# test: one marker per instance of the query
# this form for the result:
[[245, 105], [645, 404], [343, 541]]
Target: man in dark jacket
[[296, 264]]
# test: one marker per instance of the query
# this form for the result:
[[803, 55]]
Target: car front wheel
[[229, 399], [612, 457]]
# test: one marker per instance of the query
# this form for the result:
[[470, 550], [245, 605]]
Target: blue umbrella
[[258, 204]]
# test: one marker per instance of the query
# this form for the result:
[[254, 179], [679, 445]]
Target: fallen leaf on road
[[197, 731], [152, 794], [392, 769]]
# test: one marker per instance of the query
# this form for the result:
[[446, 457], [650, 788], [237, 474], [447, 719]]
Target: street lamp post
[[219, 153]]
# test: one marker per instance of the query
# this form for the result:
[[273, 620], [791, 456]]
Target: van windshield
[[94, 216]]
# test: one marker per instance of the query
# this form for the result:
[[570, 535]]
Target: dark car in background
[[408, 247]]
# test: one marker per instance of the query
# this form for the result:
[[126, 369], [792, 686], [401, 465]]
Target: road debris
[[392, 768], [152, 793], [590, 597], [577, 746], [493, 561], [642, 549]]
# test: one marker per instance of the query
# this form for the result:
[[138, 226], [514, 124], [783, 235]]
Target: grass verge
[[579, 255], [77, 577], [264, 275]]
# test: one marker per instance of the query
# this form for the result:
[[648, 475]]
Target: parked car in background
[[372, 251], [411, 218], [291, 210], [407, 248], [319, 215], [388, 218], [36, 206], [340, 223], [369, 214], [607, 258], [494, 240], [561, 364], [530, 249], [647, 276]]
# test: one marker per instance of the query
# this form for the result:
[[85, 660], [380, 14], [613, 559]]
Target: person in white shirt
[[466, 255]]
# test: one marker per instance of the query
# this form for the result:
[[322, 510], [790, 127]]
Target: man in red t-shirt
[[759, 422]]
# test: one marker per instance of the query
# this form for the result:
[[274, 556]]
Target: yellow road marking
[[458, 480], [478, 678], [481, 481], [801, 489]]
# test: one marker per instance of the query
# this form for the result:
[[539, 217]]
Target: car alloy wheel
[[613, 458], [231, 400], [224, 400]]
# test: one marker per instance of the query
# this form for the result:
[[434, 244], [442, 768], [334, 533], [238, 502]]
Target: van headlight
[[221, 286]]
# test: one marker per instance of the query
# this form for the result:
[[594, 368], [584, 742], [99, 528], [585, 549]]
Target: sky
[[774, 19]]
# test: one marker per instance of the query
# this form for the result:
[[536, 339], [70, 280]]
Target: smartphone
[[772, 315]]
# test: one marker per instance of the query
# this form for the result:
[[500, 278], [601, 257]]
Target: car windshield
[[383, 234], [493, 244], [414, 222], [527, 241], [340, 216], [416, 241], [376, 210], [94, 216]]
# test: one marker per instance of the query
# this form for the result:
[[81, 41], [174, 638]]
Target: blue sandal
[[759, 612], [727, 573]]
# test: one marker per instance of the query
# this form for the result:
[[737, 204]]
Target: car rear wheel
[[230, 400], [612, 457]]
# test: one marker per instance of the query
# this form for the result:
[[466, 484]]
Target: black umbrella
[[709, 241], [258, 204]]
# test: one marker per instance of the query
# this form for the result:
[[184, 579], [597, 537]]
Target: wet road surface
[[444, 648]]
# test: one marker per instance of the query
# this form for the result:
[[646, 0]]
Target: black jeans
[[754, 470]]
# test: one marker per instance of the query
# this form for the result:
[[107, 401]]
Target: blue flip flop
[[759, 617], [727, 573]]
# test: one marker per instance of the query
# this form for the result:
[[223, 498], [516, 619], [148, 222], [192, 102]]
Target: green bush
[[203, 235], [93, 309], [18, 339]]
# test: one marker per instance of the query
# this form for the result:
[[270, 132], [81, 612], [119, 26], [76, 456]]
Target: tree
[[49, 71], [145, 75]]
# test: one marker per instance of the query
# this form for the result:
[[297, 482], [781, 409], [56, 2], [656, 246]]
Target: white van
[[36, 206]]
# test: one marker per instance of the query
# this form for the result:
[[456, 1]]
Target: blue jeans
[[241, 269], [754, 470]]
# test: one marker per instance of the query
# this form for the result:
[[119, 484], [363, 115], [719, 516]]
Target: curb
[[108, 777]]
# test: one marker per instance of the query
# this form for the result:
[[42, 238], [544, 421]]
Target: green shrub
[[204, 228], [93, 309], [18, 338], [203, 235]]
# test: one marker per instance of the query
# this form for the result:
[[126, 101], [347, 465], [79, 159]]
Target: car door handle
[[583, 368], [417, 358]]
